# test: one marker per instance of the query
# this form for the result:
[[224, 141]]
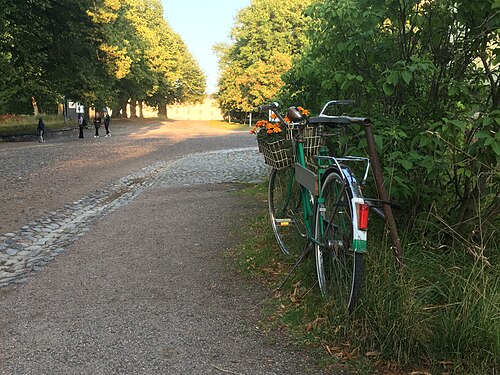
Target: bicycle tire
[[285, 211], [339, 268]]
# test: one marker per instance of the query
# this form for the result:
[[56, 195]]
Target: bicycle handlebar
[[266, 107], [274, 106], [336, 102], [360, 120]]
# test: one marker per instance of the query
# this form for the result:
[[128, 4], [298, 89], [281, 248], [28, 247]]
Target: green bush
[[434, 101]]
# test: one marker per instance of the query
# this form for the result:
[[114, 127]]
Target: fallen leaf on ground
[[314, 324]]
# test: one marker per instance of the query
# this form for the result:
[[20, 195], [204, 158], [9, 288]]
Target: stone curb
[[34, 137]]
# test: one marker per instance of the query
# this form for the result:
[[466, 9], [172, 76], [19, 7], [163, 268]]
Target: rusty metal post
[[383, 196]]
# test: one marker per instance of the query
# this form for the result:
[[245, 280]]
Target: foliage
[[266, 37], [427, 73], [147, 59], [101, 52], [38, 57], [441, 315]]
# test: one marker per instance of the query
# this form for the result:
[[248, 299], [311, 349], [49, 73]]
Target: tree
[[148, 60], [266, 37], [39, 58], [97, 52], [428, 73]]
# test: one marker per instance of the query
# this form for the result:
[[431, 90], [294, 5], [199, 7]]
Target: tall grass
[[441, 314], [443, 310], [24, 124]]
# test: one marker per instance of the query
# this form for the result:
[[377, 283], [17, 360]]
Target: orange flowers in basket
[[270, 131], [304, 112]]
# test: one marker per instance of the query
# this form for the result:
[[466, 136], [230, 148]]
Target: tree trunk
[[60, 109], [162, 110], [35, 106], [116, 111], [471, 204], [133, 108], [124, 108], [141, 115]]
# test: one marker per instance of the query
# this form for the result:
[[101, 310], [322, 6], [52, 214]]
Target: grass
[[229, 126], [23, 124], [440, 316]]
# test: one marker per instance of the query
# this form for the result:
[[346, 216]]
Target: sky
[[202, 24]]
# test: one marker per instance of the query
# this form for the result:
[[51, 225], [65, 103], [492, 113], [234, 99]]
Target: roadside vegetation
[[26, 124], [427, 74], [439, 316], [98, 53]]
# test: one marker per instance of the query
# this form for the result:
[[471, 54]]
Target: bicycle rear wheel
[[339, 267], [285, 211]]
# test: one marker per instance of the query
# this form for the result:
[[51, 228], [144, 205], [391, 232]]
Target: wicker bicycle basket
[[312, 141], [277, 154]]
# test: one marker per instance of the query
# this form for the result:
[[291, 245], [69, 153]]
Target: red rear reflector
[[363, 216]]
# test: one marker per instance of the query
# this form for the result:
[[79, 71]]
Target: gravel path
[[121, 272], [38, 178]]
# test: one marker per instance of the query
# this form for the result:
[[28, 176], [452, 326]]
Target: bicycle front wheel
[[339, 267], [285, 211]]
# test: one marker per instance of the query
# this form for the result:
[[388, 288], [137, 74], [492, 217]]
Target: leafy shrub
[[424, 71]]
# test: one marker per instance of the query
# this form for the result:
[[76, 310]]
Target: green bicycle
[[317, 203]]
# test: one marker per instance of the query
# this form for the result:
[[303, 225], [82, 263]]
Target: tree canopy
[[104, 52], [266, 37]]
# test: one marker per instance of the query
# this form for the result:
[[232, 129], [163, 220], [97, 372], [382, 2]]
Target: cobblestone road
[[43, 237]]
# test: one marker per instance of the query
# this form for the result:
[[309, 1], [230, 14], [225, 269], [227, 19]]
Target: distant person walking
[[107, 120], [41, 130], [97, 124], [81, 125]]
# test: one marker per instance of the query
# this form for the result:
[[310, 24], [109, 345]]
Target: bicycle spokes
[[285, 209], [338, 265]]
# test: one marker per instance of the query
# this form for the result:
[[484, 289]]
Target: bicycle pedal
[[283, 222]]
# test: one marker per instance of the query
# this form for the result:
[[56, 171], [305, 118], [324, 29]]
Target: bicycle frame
[[310, 183], [313, 185]]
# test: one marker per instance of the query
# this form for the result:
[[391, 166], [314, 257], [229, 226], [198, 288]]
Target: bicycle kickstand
[[307, 247]]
